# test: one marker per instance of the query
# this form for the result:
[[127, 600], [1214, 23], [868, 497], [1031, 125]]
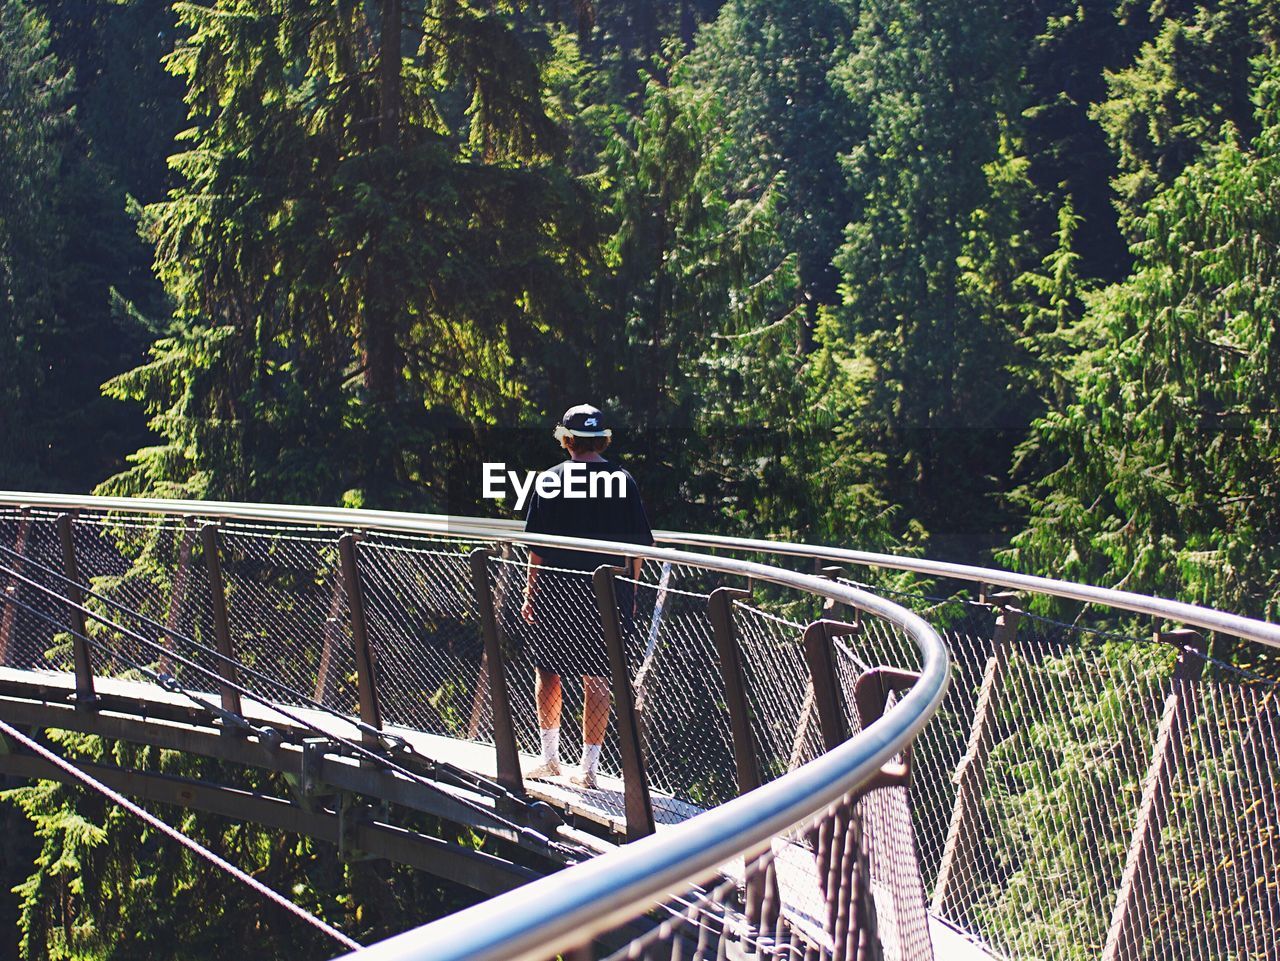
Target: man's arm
[[638, 524]]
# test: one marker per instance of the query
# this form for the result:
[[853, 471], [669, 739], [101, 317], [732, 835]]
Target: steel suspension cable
[[172, 832], [202, 648], [168, 682], [391, 740]]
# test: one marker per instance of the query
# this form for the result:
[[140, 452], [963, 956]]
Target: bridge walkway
[[797, 872]]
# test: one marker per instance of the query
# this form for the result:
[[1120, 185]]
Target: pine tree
[[922, 358], [1166, 476], [368, 244], [1185, 85], [787, 124], [58, 242]]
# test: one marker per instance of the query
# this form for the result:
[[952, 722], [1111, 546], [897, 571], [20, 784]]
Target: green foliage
[[1184, 87], [824, 262], [359, 252], [1066, 757], [58, 260], [921, 363], [106, 886], [1165, 479]]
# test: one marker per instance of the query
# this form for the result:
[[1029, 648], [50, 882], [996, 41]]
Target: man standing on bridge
[[559, 601]]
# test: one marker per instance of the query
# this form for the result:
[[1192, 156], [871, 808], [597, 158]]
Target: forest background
[[988, 282]]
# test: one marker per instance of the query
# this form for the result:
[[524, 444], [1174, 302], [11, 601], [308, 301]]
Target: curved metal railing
[[442, 524], [1085, 790], [562, 912]]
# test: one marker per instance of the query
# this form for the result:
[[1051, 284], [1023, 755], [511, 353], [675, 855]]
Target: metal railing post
[[970, 775], [221, 625], [480, 699], [1129, 920], [85, 696], [819, 654], [720, 612], [761, 886], [504, 733], [9, 614], [635, 784], [835, 862], [366, 675]]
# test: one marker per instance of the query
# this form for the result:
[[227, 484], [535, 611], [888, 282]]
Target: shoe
[[545, 770], [587, 779]]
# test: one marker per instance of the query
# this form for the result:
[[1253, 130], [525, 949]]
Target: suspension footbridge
[[798, 764]]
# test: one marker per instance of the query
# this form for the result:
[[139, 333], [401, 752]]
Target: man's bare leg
[[595, 722], [548, 695]]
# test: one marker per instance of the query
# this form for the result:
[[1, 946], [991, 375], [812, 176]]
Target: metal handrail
[[569, 908], [444, 525]]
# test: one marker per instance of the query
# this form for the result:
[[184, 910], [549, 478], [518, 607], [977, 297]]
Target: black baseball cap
[[583, 421]]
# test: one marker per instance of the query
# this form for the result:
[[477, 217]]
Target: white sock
[[551, 744], [590, 757]]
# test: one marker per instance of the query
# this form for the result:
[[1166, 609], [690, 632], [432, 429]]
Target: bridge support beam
[[504, 734], [473, 869], [1130, 918], [85, 696], [635, 784], [221, 623], [959, 850]]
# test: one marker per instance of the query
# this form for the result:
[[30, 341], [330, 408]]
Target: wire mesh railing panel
[[893, 860], [784, 718], [560, 634], [1212, 888], [811, 893], [31, 624], [423, 626], [129, 563], [288, 613], [1071, 734], [679, 691], [969, 636], [894, 866]]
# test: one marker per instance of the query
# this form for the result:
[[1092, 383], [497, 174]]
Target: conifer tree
[[1166, 476], [367, 243], [922, 358], [58, 262]]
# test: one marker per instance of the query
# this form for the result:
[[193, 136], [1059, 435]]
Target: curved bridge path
[[797, 764]]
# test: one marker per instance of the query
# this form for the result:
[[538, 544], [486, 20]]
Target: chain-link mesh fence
[[1036, 783], [812, 893], [784, 720], [424, 633], [27, 639], [1056, 810]]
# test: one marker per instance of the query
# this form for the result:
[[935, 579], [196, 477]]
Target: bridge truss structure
[[801, 762]]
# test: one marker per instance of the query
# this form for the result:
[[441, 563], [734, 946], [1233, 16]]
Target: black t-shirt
[[599, 517]]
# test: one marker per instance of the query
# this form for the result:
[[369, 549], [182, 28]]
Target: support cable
[[279, 686], [194, 846], [168, 682], [393, 742]]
